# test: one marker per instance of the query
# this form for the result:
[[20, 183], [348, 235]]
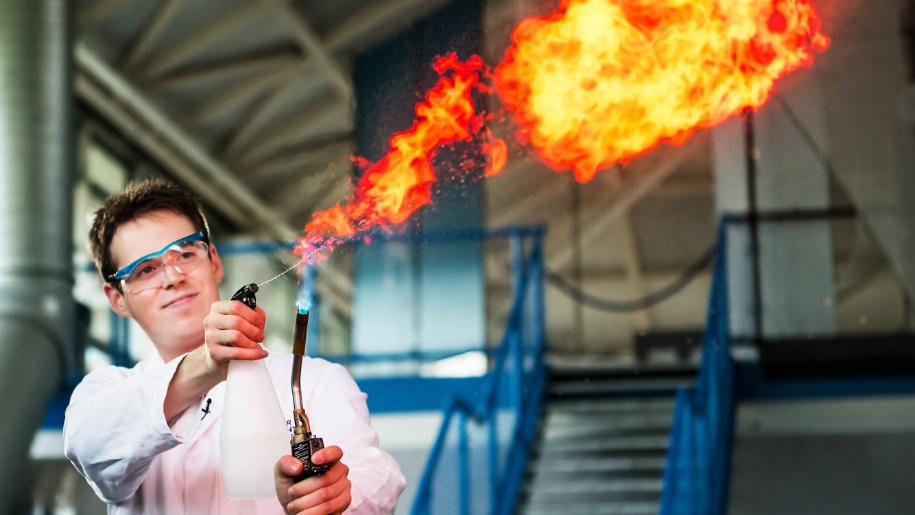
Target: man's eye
[[188, 255], [145, 271]]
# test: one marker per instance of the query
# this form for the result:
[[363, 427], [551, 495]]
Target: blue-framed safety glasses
[[146, 273]]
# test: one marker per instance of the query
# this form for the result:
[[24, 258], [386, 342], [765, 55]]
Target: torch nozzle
[[301, 332]]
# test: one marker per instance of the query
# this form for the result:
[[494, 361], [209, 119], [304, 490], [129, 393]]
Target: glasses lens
[[183, 258], [144, 276], [187, 256]]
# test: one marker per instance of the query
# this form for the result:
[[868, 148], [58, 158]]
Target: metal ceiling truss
[[259, 145]]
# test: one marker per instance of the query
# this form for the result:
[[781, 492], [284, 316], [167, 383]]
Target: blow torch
[[304, 443]]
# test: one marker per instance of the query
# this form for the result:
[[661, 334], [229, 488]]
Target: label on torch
[[303, 451]]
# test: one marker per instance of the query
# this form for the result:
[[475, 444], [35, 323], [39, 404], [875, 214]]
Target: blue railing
[[477, 461], [698, 460]]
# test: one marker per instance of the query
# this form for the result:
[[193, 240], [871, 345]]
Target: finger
[[288, 466], [337, 505], [326, 455], [235, 323], [222, 353], [230, 338], [314, 483], [233, 307], [321, 498]]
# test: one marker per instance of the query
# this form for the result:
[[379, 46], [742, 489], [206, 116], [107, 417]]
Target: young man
[[147, 438]]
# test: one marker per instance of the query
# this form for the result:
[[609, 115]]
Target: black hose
[[629, 306]]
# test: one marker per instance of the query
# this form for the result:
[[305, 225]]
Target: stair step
[[579, 487], [601, 508], [609, 421], [657, 427], [547, 466], [616, 386], [601, 455], [606, 443], [593, 406]]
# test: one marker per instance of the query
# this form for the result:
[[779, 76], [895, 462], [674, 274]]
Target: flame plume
[[596, 83], [603, 81], [392, 189]]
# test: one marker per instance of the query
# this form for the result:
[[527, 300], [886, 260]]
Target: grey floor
[[849, 474]]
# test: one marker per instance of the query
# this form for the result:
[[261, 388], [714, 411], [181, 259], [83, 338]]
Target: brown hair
[[138, 199]]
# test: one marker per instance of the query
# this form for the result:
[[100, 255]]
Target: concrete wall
[[869, 119], [835, 457]]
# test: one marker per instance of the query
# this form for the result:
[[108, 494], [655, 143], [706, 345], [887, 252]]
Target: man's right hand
[[232, 330]]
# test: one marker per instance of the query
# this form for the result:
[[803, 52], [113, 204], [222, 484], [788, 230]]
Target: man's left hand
[[328, 494]]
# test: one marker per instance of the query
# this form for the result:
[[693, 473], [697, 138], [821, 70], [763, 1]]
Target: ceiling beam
[[392, 15], [520, 211], [311, 188], [103, 89], [227, 69], [293, 131], [91, 93], [366, 22], [267, 108], [186, 49], [234, 98], [312, 44], [628, 196], [157, 123], [150, 32], [99, 11], [330, 194], [282, 166]]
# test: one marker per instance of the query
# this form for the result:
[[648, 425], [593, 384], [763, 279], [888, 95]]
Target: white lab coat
[[116, 435]]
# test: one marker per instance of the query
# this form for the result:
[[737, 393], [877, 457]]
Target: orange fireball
[[392, 189], [497, 155], [603, 81]]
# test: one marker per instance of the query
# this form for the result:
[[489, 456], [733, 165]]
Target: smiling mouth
[[180, 300]]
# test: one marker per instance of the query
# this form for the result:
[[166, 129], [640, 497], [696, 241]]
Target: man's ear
[[216, 263], [116, 300]]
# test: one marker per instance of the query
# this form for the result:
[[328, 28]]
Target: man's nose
[[170, 276]]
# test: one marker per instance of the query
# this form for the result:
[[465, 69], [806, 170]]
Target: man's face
[[171, 315]]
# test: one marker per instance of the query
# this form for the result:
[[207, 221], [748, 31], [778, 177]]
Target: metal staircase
[[601, 447]]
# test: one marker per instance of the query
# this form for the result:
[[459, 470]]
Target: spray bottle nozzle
[[246, 295]]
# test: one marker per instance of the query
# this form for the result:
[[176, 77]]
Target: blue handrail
[[699, 456], [518, 373]]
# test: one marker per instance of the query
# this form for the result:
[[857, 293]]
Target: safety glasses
[[147, 272]]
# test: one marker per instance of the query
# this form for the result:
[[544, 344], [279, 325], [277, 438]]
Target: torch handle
[[304, 451]]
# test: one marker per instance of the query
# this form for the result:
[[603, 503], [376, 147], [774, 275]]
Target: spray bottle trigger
[[245, 294]]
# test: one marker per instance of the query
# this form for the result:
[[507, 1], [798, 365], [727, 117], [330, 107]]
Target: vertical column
[[386, 89], [420, 297], [36, 195], [795, 258]]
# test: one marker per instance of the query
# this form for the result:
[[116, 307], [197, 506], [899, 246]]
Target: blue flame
[[305, 297]]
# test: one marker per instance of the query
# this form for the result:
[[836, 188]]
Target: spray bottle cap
[[245, 294]]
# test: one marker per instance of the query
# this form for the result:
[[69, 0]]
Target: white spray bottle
[[254, 434]]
